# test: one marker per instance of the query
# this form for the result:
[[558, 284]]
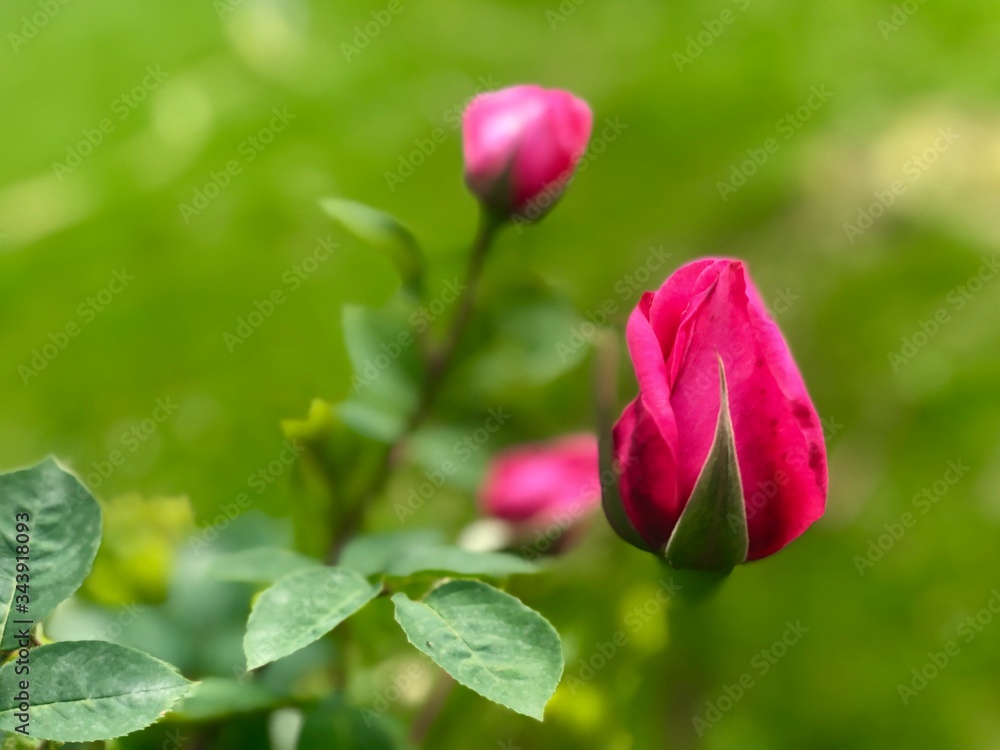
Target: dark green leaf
[[446, 560], [64, 531], [488, 641], [301, 608], [375, 553], [405, 553], [90, 690]]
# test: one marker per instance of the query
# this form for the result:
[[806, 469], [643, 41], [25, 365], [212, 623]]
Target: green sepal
[[711, 534]]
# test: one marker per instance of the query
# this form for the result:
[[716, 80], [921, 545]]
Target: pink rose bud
[[521, 146], [714, 474], [542, 484]]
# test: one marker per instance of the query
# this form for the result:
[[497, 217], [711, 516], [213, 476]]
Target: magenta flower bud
[[522, 145], [749, 449], [542, 484]]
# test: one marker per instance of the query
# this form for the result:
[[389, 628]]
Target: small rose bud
[[521, 146], [543, 488], [723, 453]]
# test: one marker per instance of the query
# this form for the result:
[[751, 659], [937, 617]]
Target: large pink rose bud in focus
[[521, 146], [708, 487], [540, 485]]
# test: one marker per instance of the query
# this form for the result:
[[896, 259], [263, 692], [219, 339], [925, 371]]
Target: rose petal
[[646, 437], [540, 481], [648, 483], [782, 467]]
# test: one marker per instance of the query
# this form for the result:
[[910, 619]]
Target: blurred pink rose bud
[[521, 146], [757, 465], [543, 484]]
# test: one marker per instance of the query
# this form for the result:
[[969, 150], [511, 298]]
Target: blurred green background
[[118, 115]]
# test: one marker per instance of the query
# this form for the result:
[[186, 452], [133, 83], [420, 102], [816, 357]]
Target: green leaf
[[64, 531], [405, 553], [385, 355], [261, 564], [90, 690], [488, 641], [711, 534], [446, 560], [218, 697], [369, 554], [300, 609], [384, 232]]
